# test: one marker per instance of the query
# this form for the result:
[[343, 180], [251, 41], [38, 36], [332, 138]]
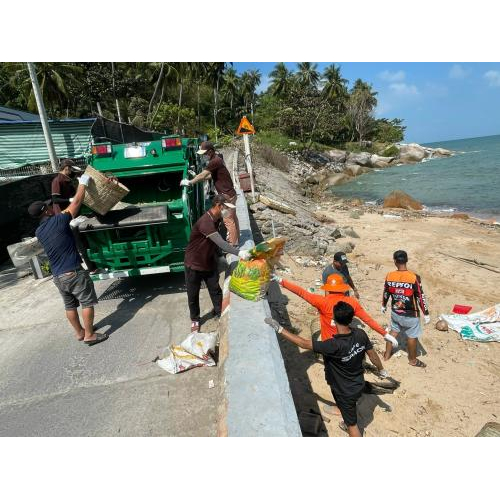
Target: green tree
[[281, 80], [362, 101], [307, 75]]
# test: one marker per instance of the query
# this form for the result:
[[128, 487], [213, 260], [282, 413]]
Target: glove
[[185, 182], [383, 374], [383, 309], [244, 255], [192, 173], [389, 338], [274, 324], [427, 319], [71, 200], [278, 279], [84, 179]]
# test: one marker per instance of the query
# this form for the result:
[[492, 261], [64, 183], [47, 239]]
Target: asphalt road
[[53, 385]]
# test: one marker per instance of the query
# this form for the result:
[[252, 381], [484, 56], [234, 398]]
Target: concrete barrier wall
[[256, 396]]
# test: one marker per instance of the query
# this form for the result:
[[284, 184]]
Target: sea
[[467, 182]]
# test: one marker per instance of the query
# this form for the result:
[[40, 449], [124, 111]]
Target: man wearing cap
[[339, 266], [223, 184], [336, 289], [63, 188], [404, 288], [73, 282], [200, 260]]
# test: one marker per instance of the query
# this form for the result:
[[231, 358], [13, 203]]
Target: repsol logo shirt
[[405, 290], [343, 357]]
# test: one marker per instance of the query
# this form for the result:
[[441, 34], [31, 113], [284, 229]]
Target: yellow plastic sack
[[250, 279]]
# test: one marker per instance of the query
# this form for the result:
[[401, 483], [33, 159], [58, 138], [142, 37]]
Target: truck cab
[[148, 231]]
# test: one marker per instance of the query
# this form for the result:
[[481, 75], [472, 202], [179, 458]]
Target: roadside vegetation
[[309, 109]]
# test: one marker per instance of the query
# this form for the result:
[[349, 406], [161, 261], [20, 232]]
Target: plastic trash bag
[[250, 279], [194, 351], [483, 326]]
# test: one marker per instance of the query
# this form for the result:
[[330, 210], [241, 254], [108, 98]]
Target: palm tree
[[231, 85], [307, 74], [281, 80], [249, 82], [53, 79], [335, 88], [214, 72]]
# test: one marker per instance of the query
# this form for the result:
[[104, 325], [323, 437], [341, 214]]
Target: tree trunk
[[180, 104], [160, 77], [199, 121]]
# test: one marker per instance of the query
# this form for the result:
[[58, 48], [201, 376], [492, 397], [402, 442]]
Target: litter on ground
[[483, 326]]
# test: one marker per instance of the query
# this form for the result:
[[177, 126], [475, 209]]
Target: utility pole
[[43, 117]]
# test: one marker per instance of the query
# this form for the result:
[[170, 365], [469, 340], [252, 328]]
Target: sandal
[[419, 364], [100, 337]]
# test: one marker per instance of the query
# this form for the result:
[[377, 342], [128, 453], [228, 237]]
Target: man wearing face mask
[[63, 189], [216, 169], [200, 261]]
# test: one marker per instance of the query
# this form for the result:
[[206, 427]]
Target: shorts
[[404, 324], [76, 288], [347, 407]]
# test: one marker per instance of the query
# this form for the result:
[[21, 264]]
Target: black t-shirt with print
[[343, 356]]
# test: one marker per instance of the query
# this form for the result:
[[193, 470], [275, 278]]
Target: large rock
[[362, 159], [354, 170], [336, 179], [400, 199], [317, 178], [337, 155], [323, 216], [377, 161], [441, 152], [412, 153]]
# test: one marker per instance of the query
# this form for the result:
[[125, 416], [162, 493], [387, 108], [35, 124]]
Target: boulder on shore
[[336, 179], [412, 153], [441, 152], [337, 155], [354, 170], [362, 159], [400, 199], [377, 161]]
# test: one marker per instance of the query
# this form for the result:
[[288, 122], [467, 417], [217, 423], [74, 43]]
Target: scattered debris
[[211, 384]]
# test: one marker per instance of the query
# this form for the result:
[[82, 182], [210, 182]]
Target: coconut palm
[[308, 75], [281, 80], [335, 88], [231, 85], [52, 78]]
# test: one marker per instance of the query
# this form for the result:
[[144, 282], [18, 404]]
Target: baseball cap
[[204, 147], [400, 256], [222, 199], [71, 164], [340, 257], [37, 208], [335, 283]]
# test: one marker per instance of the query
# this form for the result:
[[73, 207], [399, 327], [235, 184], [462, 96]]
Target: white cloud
[[493, 78], [457, 72], [397, 76], [404, 89]]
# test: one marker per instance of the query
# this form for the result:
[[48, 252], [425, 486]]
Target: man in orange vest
[[336, 287]]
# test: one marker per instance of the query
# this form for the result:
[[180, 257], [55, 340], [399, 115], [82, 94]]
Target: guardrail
[[255, 392]]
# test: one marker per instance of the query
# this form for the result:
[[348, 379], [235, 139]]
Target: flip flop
[[100, 337], [95, 331], [419, 364]]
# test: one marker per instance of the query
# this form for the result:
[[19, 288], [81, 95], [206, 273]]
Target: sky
[[437, 101]]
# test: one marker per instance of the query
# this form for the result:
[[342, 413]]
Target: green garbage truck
[[149, 230]]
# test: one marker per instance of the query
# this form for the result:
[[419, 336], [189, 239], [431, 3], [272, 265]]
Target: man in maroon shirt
[[200, 260], [216, 169], [63, 189]]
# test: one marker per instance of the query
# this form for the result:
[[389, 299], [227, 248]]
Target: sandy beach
[[458, 391]]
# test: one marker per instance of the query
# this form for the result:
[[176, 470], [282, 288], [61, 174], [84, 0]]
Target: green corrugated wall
[[23, 143]]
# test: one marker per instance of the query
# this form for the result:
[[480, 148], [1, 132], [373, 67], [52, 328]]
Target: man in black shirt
[[343, 357]]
